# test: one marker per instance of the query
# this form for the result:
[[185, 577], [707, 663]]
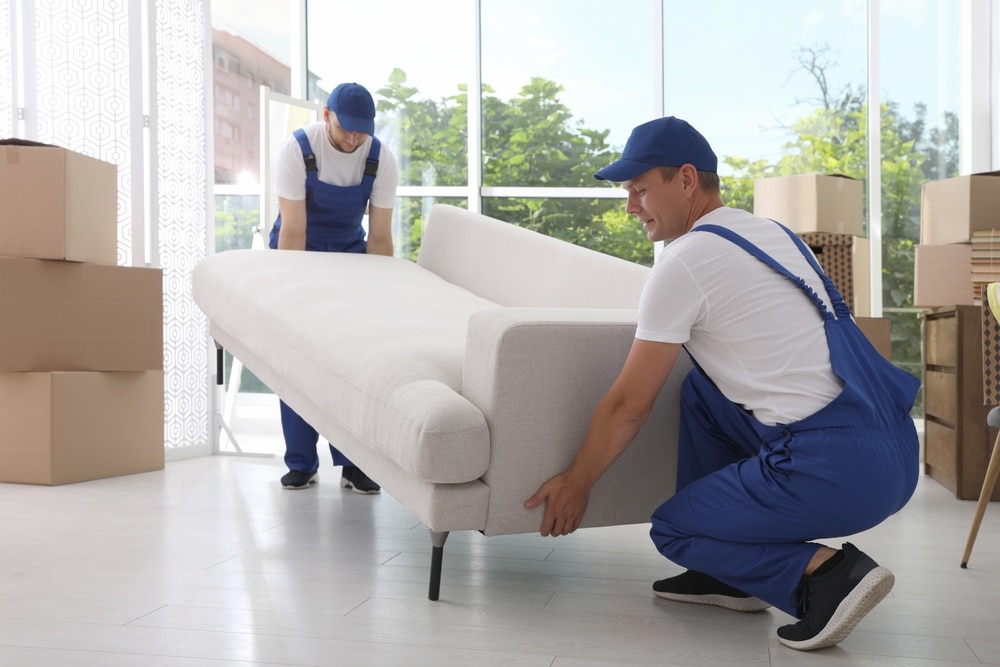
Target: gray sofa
[[459, 382]]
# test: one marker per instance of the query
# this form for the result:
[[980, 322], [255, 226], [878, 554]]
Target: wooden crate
[[957, 440]]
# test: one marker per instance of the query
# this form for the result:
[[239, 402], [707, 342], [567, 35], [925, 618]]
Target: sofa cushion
[[385, 337], [513, 266]]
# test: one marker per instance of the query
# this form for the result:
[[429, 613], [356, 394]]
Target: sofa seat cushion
[[376, 342]]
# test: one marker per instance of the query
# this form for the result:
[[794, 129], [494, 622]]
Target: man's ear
[[690, 176]]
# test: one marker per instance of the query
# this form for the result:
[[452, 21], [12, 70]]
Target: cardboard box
[[846, 259], [70, 427], [812, 203], [878, 331], [952, 208], [57, 204], [942, 275], [70, 316]]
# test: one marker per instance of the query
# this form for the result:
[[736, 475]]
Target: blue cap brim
[[355, 124], [623, 170]]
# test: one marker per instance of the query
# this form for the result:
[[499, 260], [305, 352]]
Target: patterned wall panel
[[82, 84], [6, 129], [182, 164], [86, 103]]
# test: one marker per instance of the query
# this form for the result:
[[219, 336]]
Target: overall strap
[[371, 165], [732, 236], [835, 296], [308, 156]]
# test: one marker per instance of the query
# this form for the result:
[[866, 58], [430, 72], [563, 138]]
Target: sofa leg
[[437, 558]]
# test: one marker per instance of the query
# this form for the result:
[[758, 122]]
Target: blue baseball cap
[[354, 107], [664, 142]]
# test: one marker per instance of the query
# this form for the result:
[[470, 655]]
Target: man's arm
[[292, 235], [616, 420], [379, 231]]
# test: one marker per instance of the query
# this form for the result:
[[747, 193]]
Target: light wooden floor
[[211, 563]]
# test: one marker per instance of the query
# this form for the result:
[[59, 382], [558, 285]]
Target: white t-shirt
[[334, 167], [756, 334]]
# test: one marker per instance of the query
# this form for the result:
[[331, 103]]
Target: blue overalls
[[333, 224], [750, 496]]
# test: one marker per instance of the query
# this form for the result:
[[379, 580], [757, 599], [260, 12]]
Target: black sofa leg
[[220, 365], [437, 559]]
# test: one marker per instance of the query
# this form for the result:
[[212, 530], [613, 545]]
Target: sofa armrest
[[537, 374]]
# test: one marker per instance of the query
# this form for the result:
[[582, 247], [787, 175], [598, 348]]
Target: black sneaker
[[353, 478], [297, 479], [832, 603], [700, 588]]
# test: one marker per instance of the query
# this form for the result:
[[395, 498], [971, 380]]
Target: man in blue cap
[[793, 428], [327, 177]]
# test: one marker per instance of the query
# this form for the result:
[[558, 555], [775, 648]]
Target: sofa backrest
[[513, 266]]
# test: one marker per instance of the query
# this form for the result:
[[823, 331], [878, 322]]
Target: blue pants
[[300, 443], [746, 505]]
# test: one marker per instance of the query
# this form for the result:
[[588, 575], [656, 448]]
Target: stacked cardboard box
[[941, 275], [827, 212], [959, 244], [812, 203], [81, 339], [959, 251]]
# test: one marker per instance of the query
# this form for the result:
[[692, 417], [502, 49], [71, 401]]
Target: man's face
[[659, 204], [341, 139]]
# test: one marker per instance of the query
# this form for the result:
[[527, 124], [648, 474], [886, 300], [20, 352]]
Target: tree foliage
[[529, 140]]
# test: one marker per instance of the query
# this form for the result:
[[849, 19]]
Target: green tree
[[531, 139]]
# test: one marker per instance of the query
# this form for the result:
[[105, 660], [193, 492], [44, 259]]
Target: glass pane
[[920, 74], [417, 66], [563, 82], [236, 218], [249, 49], [598, 224]]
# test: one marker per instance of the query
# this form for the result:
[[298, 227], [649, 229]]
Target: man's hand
[[565, 504]]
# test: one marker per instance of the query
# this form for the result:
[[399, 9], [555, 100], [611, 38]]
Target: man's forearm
[[612, 430], [379, 246]]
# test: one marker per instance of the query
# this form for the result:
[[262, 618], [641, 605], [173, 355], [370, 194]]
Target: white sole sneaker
[[746, 605], [871, 590]]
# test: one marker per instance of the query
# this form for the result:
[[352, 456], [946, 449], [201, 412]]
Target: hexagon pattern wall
[[84, 55]]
